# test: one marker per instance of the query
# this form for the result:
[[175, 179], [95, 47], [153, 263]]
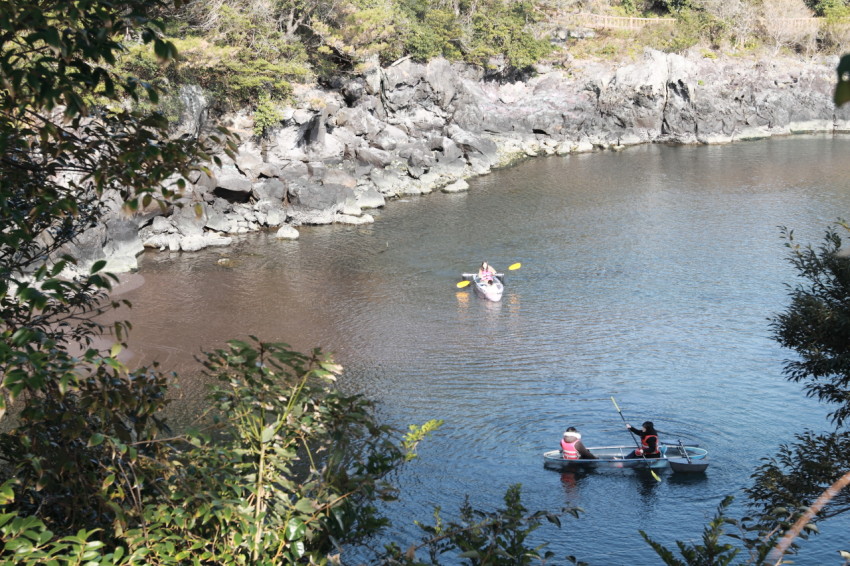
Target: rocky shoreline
[[410, 129]]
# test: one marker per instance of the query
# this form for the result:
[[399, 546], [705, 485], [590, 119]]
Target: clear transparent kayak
[[679, 458]]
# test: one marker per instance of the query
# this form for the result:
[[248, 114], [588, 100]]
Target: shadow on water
[[687, 478]]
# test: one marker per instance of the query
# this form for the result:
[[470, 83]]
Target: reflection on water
[[648, 275]]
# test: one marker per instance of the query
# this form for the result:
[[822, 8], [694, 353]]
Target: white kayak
[[492, 289]]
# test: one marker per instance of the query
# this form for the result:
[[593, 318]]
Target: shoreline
[[411, 129]]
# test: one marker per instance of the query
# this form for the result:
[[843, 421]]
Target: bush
[[234, 76], [499, 32]]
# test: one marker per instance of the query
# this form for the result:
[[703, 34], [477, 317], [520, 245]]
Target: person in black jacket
[[648, 441]]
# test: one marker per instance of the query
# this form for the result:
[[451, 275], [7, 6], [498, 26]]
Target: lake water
[[649, 275]]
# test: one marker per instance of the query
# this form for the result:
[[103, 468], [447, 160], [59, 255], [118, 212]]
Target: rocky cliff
[[410, 129]]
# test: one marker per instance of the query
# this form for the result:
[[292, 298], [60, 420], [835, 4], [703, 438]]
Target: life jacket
[[569, 449], [485, 275], [645, 445]]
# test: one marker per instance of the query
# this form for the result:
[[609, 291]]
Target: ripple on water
[[648, 275]]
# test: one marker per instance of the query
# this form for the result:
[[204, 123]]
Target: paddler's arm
[[584, 452]]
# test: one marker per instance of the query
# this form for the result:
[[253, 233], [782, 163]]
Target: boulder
[[418, 154], [374, 156], [190, 220], [321, 197], [390, 138], [220, 221], [387, 182], [238, 184], [442, 80], [359, 121], [472, 143], [369, 198], [249, 161], [287, 232], [339, 177], [456, 187], [270, 189], [349, 219]]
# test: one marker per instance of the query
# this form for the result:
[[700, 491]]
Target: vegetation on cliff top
[[247, 53]]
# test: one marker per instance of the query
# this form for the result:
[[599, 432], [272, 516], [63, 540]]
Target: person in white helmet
[[572, 448]]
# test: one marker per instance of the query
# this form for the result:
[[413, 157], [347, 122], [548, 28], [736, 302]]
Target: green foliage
[[800, 473], [483, 538], [267, 114], [77, 449], [829, 8], [28, 542], [499, 30], [290, 467], [357, 30], [233, 75], [437, 33], [60, 156], [816, 325], [90, 472], [629, 8], [694, 27], [713, 552], [84, 455]]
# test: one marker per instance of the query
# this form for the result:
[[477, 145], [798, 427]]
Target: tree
[[289, 469], [68, 152], [89, 471], [804, 483], [816, 326]]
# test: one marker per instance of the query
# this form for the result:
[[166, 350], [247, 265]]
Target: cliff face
[[410, 129]]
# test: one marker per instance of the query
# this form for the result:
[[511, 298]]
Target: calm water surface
[[647, 275]]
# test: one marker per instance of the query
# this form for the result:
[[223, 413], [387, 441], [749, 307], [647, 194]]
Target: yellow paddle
[[651, 471], [512, 267]]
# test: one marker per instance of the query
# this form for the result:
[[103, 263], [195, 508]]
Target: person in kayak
[[648, 441], [486, 272], [572, 447]]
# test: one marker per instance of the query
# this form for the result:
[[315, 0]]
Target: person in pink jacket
[[572, 447]]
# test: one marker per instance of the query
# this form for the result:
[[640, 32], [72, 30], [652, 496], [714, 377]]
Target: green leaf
[[107, 481], [268, 433], [96, 439], [295, 529], [305, 505], [6, 517]]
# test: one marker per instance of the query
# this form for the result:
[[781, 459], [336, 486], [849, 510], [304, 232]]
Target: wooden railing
[[599, 21]]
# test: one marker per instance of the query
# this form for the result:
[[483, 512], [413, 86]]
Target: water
[[647, 275]]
